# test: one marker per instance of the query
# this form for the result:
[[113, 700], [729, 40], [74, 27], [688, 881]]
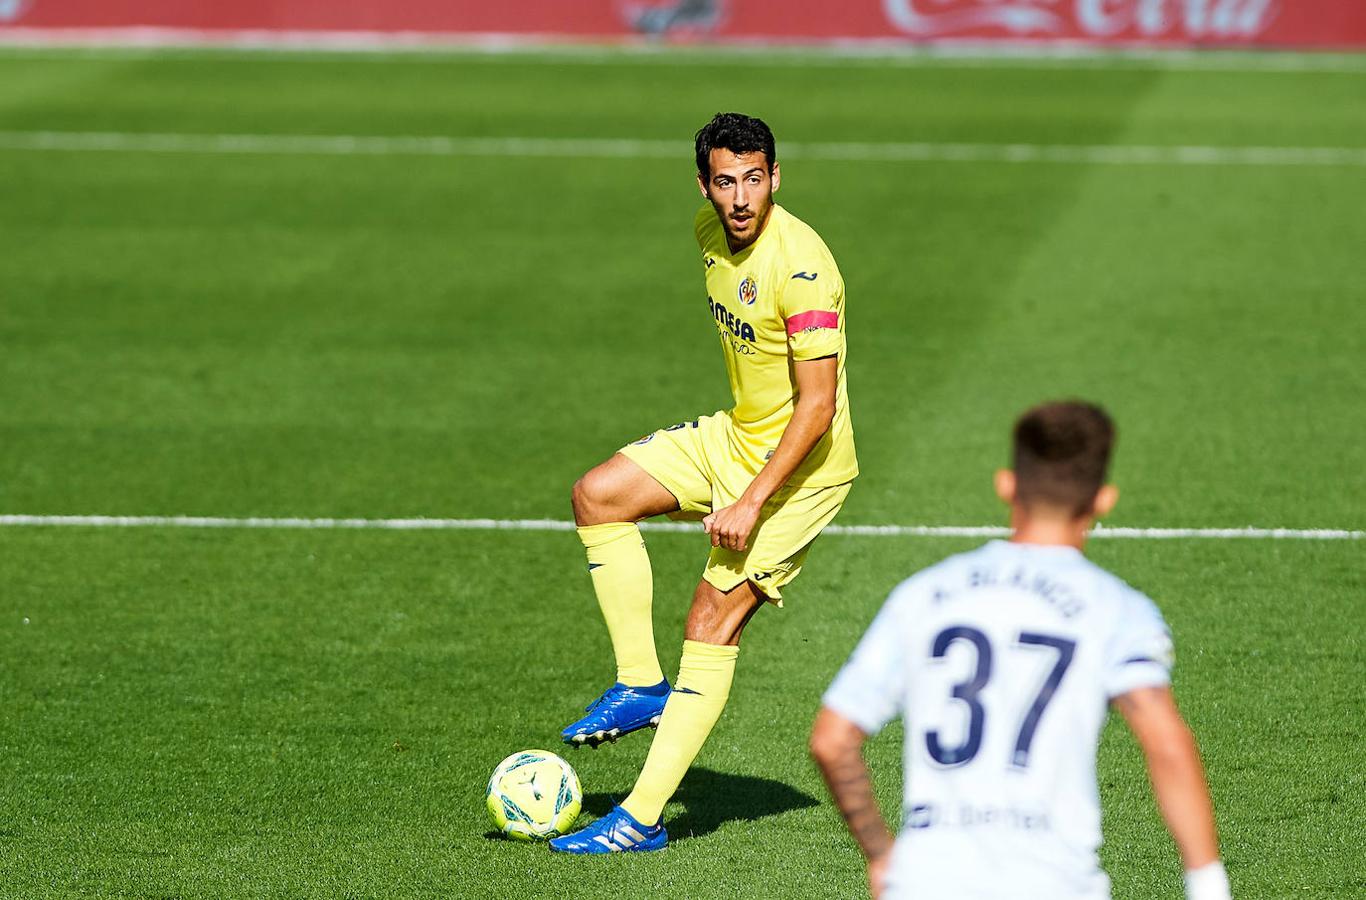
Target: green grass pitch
[[235, 713]]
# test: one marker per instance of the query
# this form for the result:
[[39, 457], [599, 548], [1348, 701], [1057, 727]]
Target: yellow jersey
[[779, 300]]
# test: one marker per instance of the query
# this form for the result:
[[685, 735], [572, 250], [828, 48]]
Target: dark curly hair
[[737, 133]]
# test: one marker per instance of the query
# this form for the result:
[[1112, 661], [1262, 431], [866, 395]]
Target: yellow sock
[[625, 587], [699, 695]]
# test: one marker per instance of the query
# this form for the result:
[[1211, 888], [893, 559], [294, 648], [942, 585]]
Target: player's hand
[[877, 874], [730, 526]]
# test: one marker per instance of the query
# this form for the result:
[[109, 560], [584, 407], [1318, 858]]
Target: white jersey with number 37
[[1002, 661]]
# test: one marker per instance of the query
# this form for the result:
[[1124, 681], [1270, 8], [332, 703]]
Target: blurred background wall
[[1328, 24]]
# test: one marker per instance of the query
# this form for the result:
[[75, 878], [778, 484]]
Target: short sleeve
[[811, 306], [1140, 651], [870, 688]]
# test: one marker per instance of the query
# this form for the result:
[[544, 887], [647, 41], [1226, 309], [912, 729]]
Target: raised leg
[[608, 501]]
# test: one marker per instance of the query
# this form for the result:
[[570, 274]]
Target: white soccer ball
[[534, 795]]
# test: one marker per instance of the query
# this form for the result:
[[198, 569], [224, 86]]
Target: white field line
[[613, 148], [147, 42], [1308, 534]]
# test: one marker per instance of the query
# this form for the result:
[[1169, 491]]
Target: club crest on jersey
[[749, 290]]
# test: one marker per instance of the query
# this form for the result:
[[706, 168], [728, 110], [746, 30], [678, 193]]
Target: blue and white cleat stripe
[[616, 832]]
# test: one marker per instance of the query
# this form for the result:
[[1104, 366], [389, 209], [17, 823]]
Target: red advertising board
[[1285, 23]]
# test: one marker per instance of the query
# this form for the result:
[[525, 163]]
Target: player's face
[[741, 188]]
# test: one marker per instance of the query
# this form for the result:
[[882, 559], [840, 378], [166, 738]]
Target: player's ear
[[777, 177], [702, 185], [1106, 498], [1005, 486]]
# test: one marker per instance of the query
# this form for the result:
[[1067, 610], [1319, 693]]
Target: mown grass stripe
[[423, 524]]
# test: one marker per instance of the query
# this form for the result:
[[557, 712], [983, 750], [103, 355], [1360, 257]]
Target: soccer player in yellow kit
[[765, 476]]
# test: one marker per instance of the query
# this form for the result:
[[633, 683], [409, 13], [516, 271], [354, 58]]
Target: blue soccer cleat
[[615, 832], [621, 710]]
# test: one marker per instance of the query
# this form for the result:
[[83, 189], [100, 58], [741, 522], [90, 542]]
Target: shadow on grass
[[711, 798]]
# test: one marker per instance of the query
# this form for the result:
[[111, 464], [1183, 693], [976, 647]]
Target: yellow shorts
[[695, 462]]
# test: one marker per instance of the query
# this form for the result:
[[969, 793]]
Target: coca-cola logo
[[931, 17], [11, 10], [1088, 18]]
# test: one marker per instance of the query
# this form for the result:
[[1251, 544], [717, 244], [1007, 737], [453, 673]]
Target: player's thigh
[[779, 543], [677, 458], [619, 490]]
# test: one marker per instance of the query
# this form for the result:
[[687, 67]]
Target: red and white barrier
[[1324, 24]]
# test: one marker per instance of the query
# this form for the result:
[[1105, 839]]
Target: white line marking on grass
[[339, 145], [613, 148], [1307, 534]]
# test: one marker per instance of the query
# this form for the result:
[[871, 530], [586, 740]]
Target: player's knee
[[581, 500], [589, 498]]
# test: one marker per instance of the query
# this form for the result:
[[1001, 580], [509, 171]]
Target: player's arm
[[837, 747], [817, 381], [1178, 781]]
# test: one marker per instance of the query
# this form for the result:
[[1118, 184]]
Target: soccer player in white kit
[[1001, 661]]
